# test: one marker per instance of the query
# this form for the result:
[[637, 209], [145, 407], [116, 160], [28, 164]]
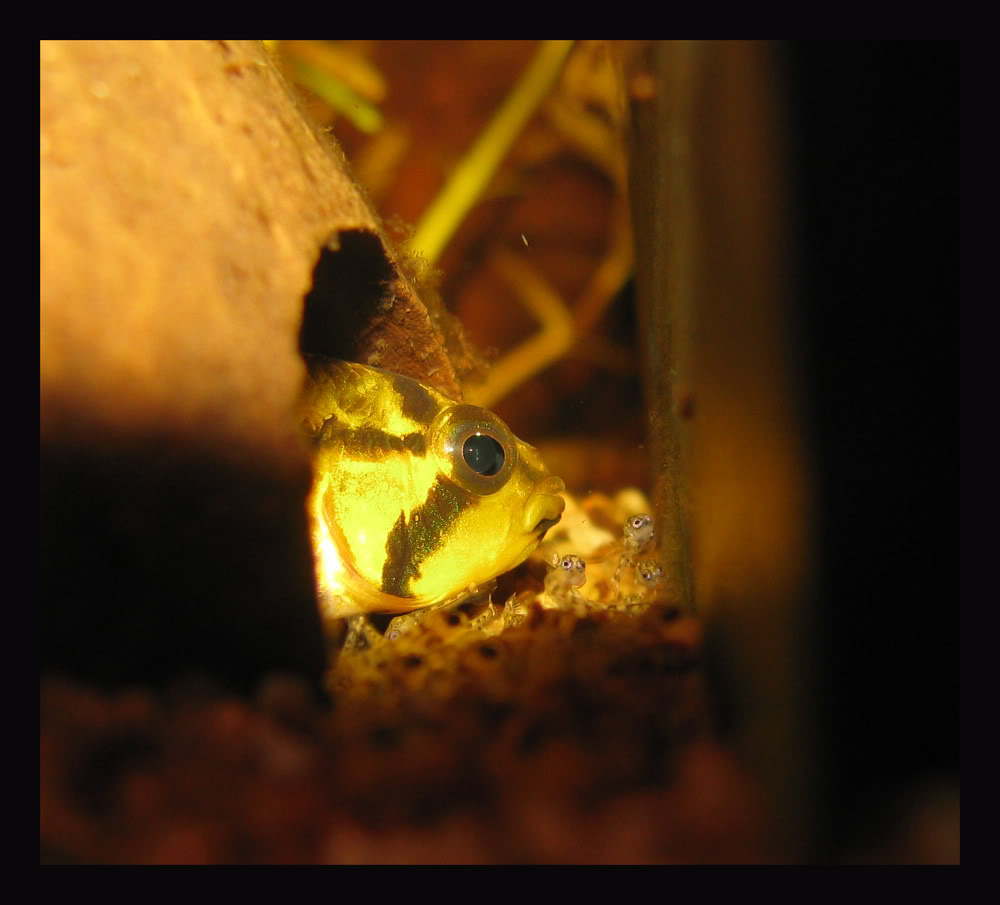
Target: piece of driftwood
[[729, 465], [185, 205]]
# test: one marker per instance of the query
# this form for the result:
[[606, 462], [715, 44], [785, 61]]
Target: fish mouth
[[544, 508], [544, 526]]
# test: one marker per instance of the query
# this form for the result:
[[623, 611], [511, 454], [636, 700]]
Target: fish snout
[[545, 506]]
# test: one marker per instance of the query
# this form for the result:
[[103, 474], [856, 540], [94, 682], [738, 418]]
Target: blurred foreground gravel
[[563, 740]]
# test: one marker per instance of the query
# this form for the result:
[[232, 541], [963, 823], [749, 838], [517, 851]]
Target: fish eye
[[479, 447], [483, 454]]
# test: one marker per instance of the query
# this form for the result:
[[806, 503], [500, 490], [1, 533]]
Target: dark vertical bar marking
[[411, 542]]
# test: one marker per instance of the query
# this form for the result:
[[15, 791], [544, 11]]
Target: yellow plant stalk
[[475, 170]]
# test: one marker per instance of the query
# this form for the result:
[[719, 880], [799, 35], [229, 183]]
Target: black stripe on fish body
[[411, 541], [369, 443], [417, 403]]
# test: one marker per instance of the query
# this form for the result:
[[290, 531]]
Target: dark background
[[874, 134]]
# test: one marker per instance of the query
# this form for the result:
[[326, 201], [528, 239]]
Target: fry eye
[[483, 454]]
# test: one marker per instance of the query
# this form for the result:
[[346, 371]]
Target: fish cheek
[[483, 543]]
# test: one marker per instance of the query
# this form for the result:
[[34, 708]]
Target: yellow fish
[[416, 500]]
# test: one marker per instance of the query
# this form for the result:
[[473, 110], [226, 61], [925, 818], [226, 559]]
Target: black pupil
[[483, 454]]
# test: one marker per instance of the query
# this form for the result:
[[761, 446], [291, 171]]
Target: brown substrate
[[561, 740]]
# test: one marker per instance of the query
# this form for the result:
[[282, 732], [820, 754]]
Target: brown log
[[185, 202]]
